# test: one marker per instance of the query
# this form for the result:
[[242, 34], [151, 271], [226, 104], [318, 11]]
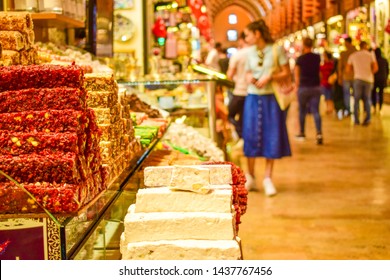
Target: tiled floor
[[333, 201]]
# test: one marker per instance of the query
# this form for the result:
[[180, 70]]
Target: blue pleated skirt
[[264, 128]]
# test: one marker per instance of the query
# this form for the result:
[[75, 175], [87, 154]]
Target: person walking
[[307, 79], [237, 73], [212, 59], [345, 79], [363, 65], [264, 123], [326, 69], [380, 80]]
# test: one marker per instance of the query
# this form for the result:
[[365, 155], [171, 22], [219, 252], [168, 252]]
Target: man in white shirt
[[212, 59], [237, 73], [364, 65]]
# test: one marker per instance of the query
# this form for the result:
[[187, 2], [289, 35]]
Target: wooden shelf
[[55, 20]]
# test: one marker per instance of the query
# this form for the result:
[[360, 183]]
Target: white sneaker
[[250, 183], [269, 188], [340, 115]]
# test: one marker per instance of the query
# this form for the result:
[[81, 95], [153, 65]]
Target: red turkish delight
[[17, 143], [44, 121], [42, 99], [40, 76], [56, 167], [56, 198]]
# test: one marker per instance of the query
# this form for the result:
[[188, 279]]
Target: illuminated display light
[[161, 41]]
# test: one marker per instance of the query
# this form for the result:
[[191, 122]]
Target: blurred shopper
[[380, 80], [264, 123], [346, 79], [237, 73], [363, 65], [212, 59], [223, 61], [326, 69], [307, 79], [338, 98]]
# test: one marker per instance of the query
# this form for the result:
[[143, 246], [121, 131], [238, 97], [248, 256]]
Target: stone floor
[[333, 201]]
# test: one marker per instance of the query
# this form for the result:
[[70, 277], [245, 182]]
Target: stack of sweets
[[49, 140], [186, 213], [118, 144], [17, 38]]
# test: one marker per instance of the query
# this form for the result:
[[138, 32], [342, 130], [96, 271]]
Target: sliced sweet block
[[57, 198], [111, 131], [164, 199], [28, 57], [177, 225], [12, 40], [56, 167], [17, 143], [196, 179], [40, 76], [157, 176], [29, 35], [181, 250], [100, 82], [16, 21], [107, 115], [106, 150], [34, 99], [218, 174], [45, 121], [10, 58], [102, 99]]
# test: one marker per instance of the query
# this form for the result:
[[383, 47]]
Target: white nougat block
[[220, 174], [188, 178], [181, 250], [158, 176], [178, 225], [166, 200]]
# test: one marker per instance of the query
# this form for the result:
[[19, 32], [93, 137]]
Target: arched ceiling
[[256, 8]]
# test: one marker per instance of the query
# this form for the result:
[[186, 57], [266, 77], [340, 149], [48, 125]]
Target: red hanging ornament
[[159, 29], [387, 28]]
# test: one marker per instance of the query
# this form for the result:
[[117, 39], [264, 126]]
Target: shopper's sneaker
[[269, 188], [319, 139], [346, 113], [250, 183], [340, 115], [300, 137]]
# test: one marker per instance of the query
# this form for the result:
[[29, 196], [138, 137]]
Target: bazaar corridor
[[333, 201]]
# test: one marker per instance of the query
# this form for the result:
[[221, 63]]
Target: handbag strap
[[275, 57]]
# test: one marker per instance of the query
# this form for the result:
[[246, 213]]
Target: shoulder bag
[[283, 88]]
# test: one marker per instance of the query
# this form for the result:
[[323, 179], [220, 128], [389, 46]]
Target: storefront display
[[358, 25]]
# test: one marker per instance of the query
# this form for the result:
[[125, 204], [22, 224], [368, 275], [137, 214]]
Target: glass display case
[[188, 96], [38, 236]]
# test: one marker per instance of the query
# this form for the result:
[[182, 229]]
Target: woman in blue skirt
[[264, 123]]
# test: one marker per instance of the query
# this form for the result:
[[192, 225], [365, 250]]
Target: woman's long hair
[[262, 27]]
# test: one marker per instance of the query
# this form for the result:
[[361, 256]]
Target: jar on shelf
[[26, 5], [52, 6]]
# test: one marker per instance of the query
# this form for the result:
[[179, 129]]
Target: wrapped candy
[[40, 76], [42, 99]]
